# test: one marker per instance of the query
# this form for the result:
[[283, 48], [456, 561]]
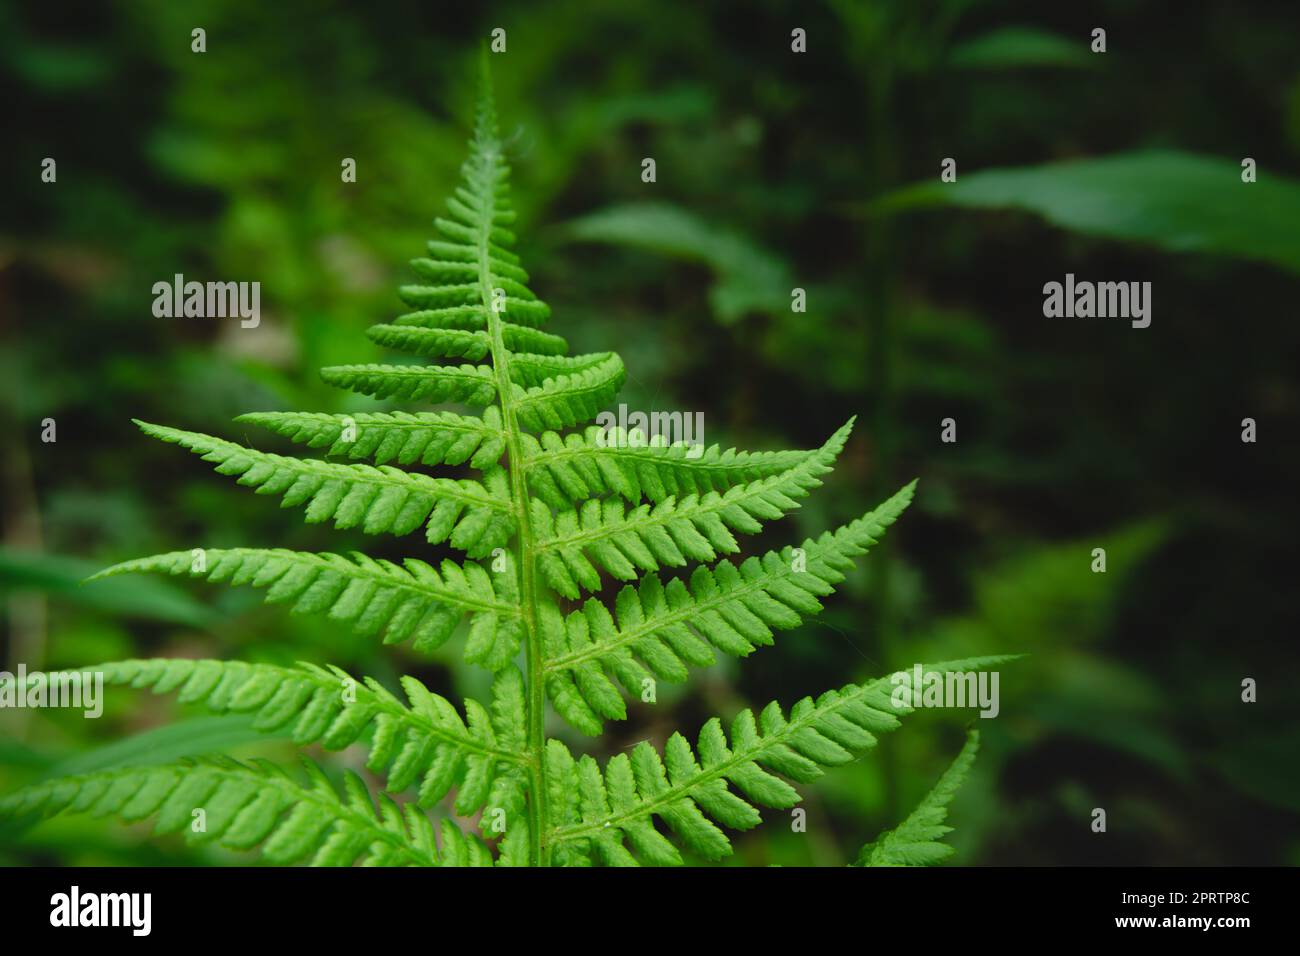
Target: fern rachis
[[556, 513]]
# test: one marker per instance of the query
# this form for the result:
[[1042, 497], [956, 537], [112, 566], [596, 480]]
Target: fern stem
[[534, 663]]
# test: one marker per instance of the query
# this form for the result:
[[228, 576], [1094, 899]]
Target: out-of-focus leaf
[[1178, 201], [59, 68], [187, 738], [15, 753], [684, 103], [196, 737], [1011, 47], [1262, 764], [1131, 720], [63, 576], [746, 277], [1047, 599]]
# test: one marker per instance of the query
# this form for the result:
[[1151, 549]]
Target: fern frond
[[429, 438], [592, 811], [423, 743], [410, 601], [474, 517], [250, 804], [573, 542], [915, 841], [661, 630], [568, 510], [564, 470]]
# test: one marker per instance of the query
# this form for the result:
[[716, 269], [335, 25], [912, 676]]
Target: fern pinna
[[554, 511]]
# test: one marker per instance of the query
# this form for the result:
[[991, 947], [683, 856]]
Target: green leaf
[[63, 576], [1178, 201], [746, 278], [1018, 46], [196, 737]]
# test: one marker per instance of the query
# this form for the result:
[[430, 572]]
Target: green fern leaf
[[474, 517], [573, 542], [429, 438], [245, 805], [412, 601], [517, 338], [915, 841], [471, 384], [564, 470]]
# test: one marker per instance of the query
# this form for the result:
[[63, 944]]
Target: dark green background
[[775, 170]]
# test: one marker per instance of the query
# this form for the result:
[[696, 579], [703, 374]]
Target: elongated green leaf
[[747, 278], [564, 470], [1012, 47], [430, 438], [471, 384], [472, 516], [196, 737], [63, 576], [1179, 201], [411, 601]]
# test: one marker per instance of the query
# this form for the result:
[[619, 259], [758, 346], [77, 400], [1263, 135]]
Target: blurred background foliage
[[774, 170]]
